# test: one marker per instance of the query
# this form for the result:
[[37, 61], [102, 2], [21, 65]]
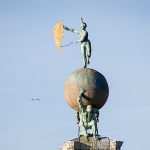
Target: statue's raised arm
[[81, 19]]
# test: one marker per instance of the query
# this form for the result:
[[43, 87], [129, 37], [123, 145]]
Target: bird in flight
[[35, 99]]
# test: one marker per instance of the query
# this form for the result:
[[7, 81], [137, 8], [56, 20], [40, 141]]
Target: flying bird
[[37, 99]]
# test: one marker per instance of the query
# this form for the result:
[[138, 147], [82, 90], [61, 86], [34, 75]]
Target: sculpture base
[[93, 143]]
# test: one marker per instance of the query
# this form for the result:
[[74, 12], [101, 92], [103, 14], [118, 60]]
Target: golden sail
[[58, 34]]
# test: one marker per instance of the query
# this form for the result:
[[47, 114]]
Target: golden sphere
[[92, 81]]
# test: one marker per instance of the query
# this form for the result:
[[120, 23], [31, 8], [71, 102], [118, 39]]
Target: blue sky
[[31, 67]]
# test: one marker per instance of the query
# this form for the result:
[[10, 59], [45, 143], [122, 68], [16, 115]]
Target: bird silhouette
[[35, 99]]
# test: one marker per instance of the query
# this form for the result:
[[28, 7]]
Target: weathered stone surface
[[98, 143]]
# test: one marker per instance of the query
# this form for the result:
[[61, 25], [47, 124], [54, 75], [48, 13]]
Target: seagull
[[37, 99]]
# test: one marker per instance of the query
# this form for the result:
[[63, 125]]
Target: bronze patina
[[84, 41]]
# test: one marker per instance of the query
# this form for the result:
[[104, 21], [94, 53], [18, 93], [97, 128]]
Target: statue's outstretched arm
[[71, 30], [80, 103]]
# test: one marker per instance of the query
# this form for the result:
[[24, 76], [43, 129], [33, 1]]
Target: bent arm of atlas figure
[[80, 102]]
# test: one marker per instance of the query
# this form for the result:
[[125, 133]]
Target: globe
[[92, 81]]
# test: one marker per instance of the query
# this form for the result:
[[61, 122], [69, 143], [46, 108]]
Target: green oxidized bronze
[[87, 118], [85, 42]]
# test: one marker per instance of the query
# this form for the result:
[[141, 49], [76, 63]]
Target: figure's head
[[83, 26], [88, 108]]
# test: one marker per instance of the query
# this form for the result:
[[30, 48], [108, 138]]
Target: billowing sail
[[58, 34]]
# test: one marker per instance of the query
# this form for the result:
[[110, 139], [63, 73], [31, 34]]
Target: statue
[[93, 94], [85, 42], [87, 118]]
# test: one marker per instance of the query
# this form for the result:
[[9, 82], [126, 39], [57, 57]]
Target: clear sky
[[30, 66]]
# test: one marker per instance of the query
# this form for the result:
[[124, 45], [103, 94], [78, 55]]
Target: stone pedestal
[[93, 143]]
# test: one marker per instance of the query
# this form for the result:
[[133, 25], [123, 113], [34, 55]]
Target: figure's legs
[[93, 128], [78, 131], [88, 48], [96, 129], [83, 50]]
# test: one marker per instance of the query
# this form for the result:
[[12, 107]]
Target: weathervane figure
[[84, 41]]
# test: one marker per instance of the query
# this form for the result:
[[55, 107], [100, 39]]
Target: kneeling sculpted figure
[[87, 118]]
